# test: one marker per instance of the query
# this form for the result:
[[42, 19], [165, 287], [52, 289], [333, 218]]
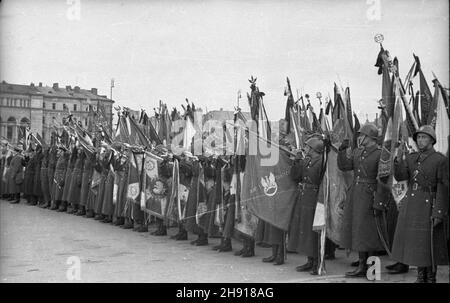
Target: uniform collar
[[371, 149], [427, 152]]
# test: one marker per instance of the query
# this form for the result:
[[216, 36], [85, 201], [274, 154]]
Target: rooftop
[[52, 91]]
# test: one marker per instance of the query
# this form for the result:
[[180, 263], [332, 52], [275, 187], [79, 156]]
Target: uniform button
[[362, 158], [426, 201], [439, 211], [412, 195]]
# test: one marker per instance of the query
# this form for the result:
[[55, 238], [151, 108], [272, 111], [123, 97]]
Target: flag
[[155, 187], [148, 129], [173, 212], [426, 98], [268, 191], [442, 120], [134, 178], [289, 106]]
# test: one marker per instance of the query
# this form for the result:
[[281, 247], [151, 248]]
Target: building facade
[[43, 107]]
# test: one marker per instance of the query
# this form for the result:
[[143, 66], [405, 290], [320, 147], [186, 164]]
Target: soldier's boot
[[71, 209], [81, 211], [16, 199], [355, 263], [273, 256], [226, 245], [305, 267], [10, 197], [107, 219], [392, 266], [431, 274], [315, 268], [140, 227], [128, 224], [250, 252], [398, 268], [55, 205], [99, 217], [244, 248], [361, 271], [33, 200], [45, 205], [217, 247], [202, 240], [90, 213], [182, 234], [62, 207], [421, 275], [119, 221], [162, 231], [279, 260]]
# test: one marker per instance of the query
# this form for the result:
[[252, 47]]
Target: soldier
[[228, 202], [103, 168], [75, 182], [52, 159], [37, 188], [86, 178], [420, 234], [30, 171], [15, 175], [307, 173], [3, 156], [363, 203], [108, 206], [122, 185], [63, 156], [44, 179], [67, 180]]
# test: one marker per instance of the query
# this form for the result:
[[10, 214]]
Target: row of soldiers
[[94, 184]]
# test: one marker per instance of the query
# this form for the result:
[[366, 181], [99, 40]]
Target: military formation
[[93, 184]]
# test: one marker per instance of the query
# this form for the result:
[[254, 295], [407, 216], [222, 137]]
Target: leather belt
[[304, 186], [365, 180]]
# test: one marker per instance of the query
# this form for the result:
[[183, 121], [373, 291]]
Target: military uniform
[[122, 185], [108, 206], [86, 178], [302, 239], [52, 159], [427, 197], [67, 180], [44, 179], [16, 176], [28, 180], [359, 226], [37, 188], [75, 182], [59, 178]]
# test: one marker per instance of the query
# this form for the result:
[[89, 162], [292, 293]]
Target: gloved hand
[[345, 144]]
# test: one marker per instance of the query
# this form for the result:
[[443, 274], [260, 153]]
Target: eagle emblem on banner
[[269, 184]]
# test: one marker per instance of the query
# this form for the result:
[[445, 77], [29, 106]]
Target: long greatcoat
[[75, 180], [122, 184], [60, 175], [68, 177], [427, 197], [359, 230], [52, 159], [302, 238], [16, 174], [86, 177], [108, 206], [37, 188], [103, 169], [30, 171], [44, 177]]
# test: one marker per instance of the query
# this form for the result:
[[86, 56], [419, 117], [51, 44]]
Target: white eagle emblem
[[269, 185]]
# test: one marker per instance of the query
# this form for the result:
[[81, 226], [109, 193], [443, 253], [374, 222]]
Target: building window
[[43, 120], [28, 103], [11, 124], [43, 104], [85, 122], [53, 105], [74, 107]]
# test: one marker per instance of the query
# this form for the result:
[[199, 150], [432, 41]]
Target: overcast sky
[[206, 50]]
